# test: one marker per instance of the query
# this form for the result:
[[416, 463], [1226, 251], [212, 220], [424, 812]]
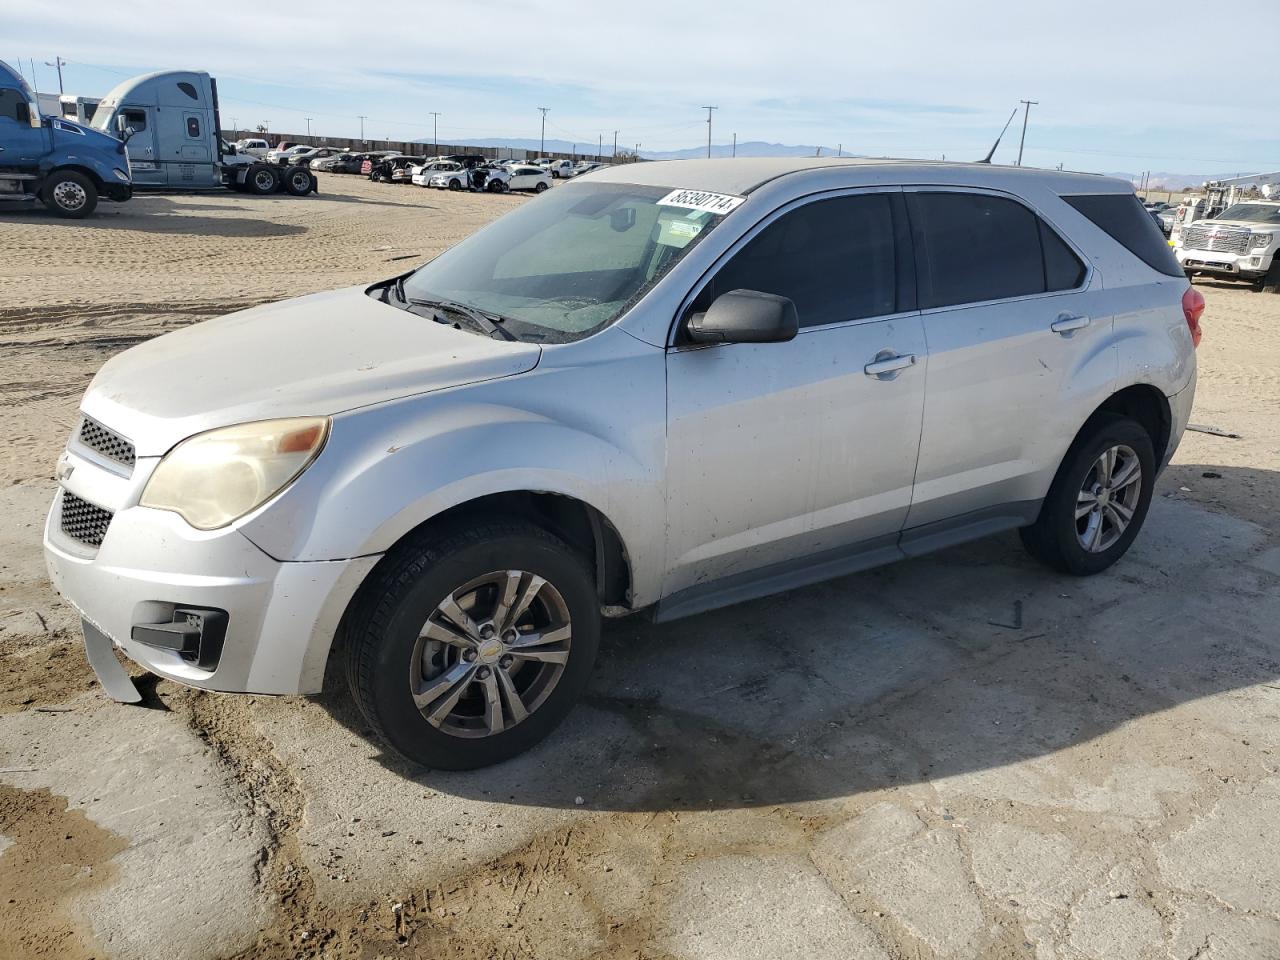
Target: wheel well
[[578, 524], [83, 171], [1147, 405]]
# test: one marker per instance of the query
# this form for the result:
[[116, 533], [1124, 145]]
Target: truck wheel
[[1271, 282], [470, 645], [299, 181], [262, 179], [70, 194], [1098, 500]]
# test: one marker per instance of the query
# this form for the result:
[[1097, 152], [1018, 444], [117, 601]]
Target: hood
[[1257, 226], [316, 355], [92, 136]]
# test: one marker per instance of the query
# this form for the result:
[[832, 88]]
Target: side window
[[834, 258], [972, 247], [13, 106], [1122, 217], [1062, 268], [136, 119], [193, 128]]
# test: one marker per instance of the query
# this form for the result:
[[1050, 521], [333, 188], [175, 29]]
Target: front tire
[[262, 180], [541, 187], [470, 645], [1098, 500], [70, 195], [1271, 282]]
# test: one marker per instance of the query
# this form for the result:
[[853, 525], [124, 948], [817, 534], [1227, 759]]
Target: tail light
[[1192, 309]]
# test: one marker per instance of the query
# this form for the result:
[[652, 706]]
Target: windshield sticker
[[717, 203]]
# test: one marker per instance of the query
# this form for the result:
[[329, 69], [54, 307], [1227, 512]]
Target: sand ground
[[843, 771]]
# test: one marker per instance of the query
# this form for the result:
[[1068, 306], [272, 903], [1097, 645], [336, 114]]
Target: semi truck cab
[[64, 164]]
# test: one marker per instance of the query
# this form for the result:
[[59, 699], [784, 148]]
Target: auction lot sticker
[[717, 203]]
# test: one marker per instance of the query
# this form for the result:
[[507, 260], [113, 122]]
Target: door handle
[[1067, 322], [889, 364]]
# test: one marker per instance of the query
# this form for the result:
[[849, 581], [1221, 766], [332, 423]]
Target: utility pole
[[363, 118], [709, 109], [1026, 111], [735, 144], [542, 147], [615, 144], [599, 145], [839, 149], [308, 119], [59, 63], [435, 131]]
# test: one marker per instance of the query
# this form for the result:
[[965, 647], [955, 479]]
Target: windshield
[[569, 263], [1251, 212]]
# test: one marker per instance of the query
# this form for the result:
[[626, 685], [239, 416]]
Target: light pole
[[615, 144], [599, 145], [542, 146], [1026, 110], [435, 131], [709, 109], [308, 119], [59, 63], [363, 118], [735, 144]]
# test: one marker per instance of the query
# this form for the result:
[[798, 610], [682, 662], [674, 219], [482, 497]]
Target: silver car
[[662, 388]]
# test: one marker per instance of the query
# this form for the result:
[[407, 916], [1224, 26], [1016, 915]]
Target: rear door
[[1017, 358], [781, 452]]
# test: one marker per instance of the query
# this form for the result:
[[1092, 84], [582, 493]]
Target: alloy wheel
[[69, 195], [1108, 498], [490, 653]]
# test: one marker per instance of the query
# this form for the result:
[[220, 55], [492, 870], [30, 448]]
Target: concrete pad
[[187, 878], [762, 908], [1209, 932]]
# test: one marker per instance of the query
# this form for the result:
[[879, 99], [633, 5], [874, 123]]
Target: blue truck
[[171, 126], [66, 165]]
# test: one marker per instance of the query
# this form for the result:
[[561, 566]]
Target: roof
[[741, 175]]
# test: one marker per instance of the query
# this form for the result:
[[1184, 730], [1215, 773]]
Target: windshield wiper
[[487, 325]]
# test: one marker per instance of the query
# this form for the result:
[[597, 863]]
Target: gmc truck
[[65, 165]]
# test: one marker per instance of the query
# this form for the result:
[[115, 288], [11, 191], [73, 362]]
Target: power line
[[59, 63]]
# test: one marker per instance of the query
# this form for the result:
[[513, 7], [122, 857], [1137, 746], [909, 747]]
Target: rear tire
[[1088, 521], [299, 181], [262, 180], [541, 187], [70, 195], [459, 574]]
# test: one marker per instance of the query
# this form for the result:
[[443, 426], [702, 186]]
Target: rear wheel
[[262, 180], [470, 646], [70, 194], [542, 185], [1098, 500], [299, 181]]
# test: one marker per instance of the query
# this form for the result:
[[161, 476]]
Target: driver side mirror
[[122, 125], [745, 316]]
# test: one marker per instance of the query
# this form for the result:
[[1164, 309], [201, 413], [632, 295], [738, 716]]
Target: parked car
[[1166, 219], [252, 146], [458, 178], [638, 397], [1241, 243], [526, 177], [288, 155], [287, 145], [557, 168], [392, 169], [331, 162], [421, 173], [367, 164]]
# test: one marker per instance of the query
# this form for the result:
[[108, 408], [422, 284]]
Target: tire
[[495, 186], [262, 179], [455, 185], [70, 195], [389, 649], [541, 187], [1068, 543], [299, 181], [1271, 282]]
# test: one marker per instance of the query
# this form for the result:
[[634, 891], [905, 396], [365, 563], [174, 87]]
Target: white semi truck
[[170, 124]]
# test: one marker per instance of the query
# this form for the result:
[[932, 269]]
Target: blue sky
[[928, 79]]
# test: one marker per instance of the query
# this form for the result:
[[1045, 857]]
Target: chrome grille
[[1218, 239], [81, 520], [106, 442]]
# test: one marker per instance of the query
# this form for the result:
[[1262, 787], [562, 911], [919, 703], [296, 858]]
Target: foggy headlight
[[214, 478], [1259, 240]]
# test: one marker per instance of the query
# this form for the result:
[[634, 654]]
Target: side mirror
[[745, 316]]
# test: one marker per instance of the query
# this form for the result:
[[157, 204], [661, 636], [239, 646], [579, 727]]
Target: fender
[[387, 469]]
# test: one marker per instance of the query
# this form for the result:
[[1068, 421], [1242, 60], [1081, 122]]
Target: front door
[[144, 162], [23, 140], [780, 453]]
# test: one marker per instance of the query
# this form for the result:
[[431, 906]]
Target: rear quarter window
[[1122, 217]]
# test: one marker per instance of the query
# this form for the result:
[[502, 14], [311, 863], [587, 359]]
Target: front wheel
[[470, 646], [70, 194], [542, 185], [1098, 500], [263, 180], [1271, 282]]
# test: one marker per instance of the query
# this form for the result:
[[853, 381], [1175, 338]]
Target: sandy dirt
[[842, 771]]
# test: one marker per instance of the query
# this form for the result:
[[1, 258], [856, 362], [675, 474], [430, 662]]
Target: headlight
[[1259, 240], [219, 476], [120, 175]]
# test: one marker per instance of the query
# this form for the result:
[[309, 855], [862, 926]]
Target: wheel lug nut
[[486, 631], [483, 673], [506, 661], [510, 637], [469, 656]]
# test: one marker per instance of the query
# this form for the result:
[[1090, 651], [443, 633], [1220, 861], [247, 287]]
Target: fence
[[408, 147]]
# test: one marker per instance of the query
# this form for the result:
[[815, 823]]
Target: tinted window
[[834, 258], [13, 106], [189, 90], [1062, 268], [972, 247], [1122, 216], [193, 127]]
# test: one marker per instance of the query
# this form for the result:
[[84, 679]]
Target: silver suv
[[665, 387]]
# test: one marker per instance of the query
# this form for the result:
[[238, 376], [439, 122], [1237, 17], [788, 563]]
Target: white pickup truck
[[1240, 243]]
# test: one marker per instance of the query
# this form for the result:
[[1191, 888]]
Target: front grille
[[1217, 239], [106, 442], [83, 521]]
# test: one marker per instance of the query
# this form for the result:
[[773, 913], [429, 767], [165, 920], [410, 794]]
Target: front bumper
[[281, 616], [1249, 266]]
